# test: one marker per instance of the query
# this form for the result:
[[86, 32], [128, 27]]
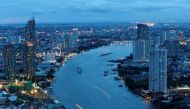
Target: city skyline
[[61, 11], [95, 54]]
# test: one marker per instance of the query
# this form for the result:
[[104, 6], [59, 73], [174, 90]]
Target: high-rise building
[[29, 50], [19, 52], [29, 60], [163, 36], [2, 56], [143, 32], [158, 70], [75, 37], [140, 50], [71, 41], [141, 44], [30, 35], [9, 61]]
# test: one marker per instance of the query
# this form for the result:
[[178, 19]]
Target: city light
[[99, 54]]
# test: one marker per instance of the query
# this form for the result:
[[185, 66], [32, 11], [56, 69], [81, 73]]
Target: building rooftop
[[29, 43]]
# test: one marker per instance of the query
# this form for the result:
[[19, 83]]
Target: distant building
[[141, 44], [9, 61], [66, 43], [158, 70], [164, 36], [172, 46], [169, 35], [70, 41], [30, 35], [29, 60]]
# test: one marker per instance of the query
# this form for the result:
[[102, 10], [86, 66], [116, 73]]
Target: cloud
[[86, 10]]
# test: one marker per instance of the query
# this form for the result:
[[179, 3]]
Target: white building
[[158, 70]]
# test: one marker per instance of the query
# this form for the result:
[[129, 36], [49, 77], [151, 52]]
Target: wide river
[[91, 89]]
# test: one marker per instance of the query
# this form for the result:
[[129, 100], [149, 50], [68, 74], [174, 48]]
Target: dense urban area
[[158, 70]]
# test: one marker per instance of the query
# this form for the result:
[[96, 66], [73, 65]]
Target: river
[[91, 89]]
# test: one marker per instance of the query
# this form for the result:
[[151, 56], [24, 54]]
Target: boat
[[79, 70], [105, 73], [110, 64], [105, 54], [120, 85]]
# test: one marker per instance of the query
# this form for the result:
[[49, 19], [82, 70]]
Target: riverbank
[[135, 77]]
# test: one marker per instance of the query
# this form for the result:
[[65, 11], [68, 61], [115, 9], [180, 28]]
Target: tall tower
[[141, 44], [9, 61], [29, 60], [29, 49], [143, 32], [158, 70], [140, 50], [30, 35]]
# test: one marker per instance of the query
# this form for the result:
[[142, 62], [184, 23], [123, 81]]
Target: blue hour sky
[[59, 11]]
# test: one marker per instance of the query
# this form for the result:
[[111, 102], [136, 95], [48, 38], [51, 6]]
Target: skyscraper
[[140, 50], [29, 60], [30, 35], [19, 52], [9, 61], [158, 70], [2, 56], [143, 32], [141, 43], [71, 40], [29, 49]]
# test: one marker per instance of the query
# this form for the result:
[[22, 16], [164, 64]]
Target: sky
[[68, 11]]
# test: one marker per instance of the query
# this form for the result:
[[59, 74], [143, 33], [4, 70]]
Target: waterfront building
[[29, 60], [158, 70], [141, 44], [9, 61], [140, 50], [143, 32]]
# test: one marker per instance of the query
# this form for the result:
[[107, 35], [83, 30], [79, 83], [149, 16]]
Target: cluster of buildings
[[18, 58], [165, 50], [22, 54], [155, 46], [159, 69], [66, 41], [20, 49]]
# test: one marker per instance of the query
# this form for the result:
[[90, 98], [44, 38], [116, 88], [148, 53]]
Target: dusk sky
[[60, 11]]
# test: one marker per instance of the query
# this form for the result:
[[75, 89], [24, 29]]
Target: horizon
[[106, 22]]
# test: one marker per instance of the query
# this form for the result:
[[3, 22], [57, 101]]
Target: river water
[[91, 89]]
